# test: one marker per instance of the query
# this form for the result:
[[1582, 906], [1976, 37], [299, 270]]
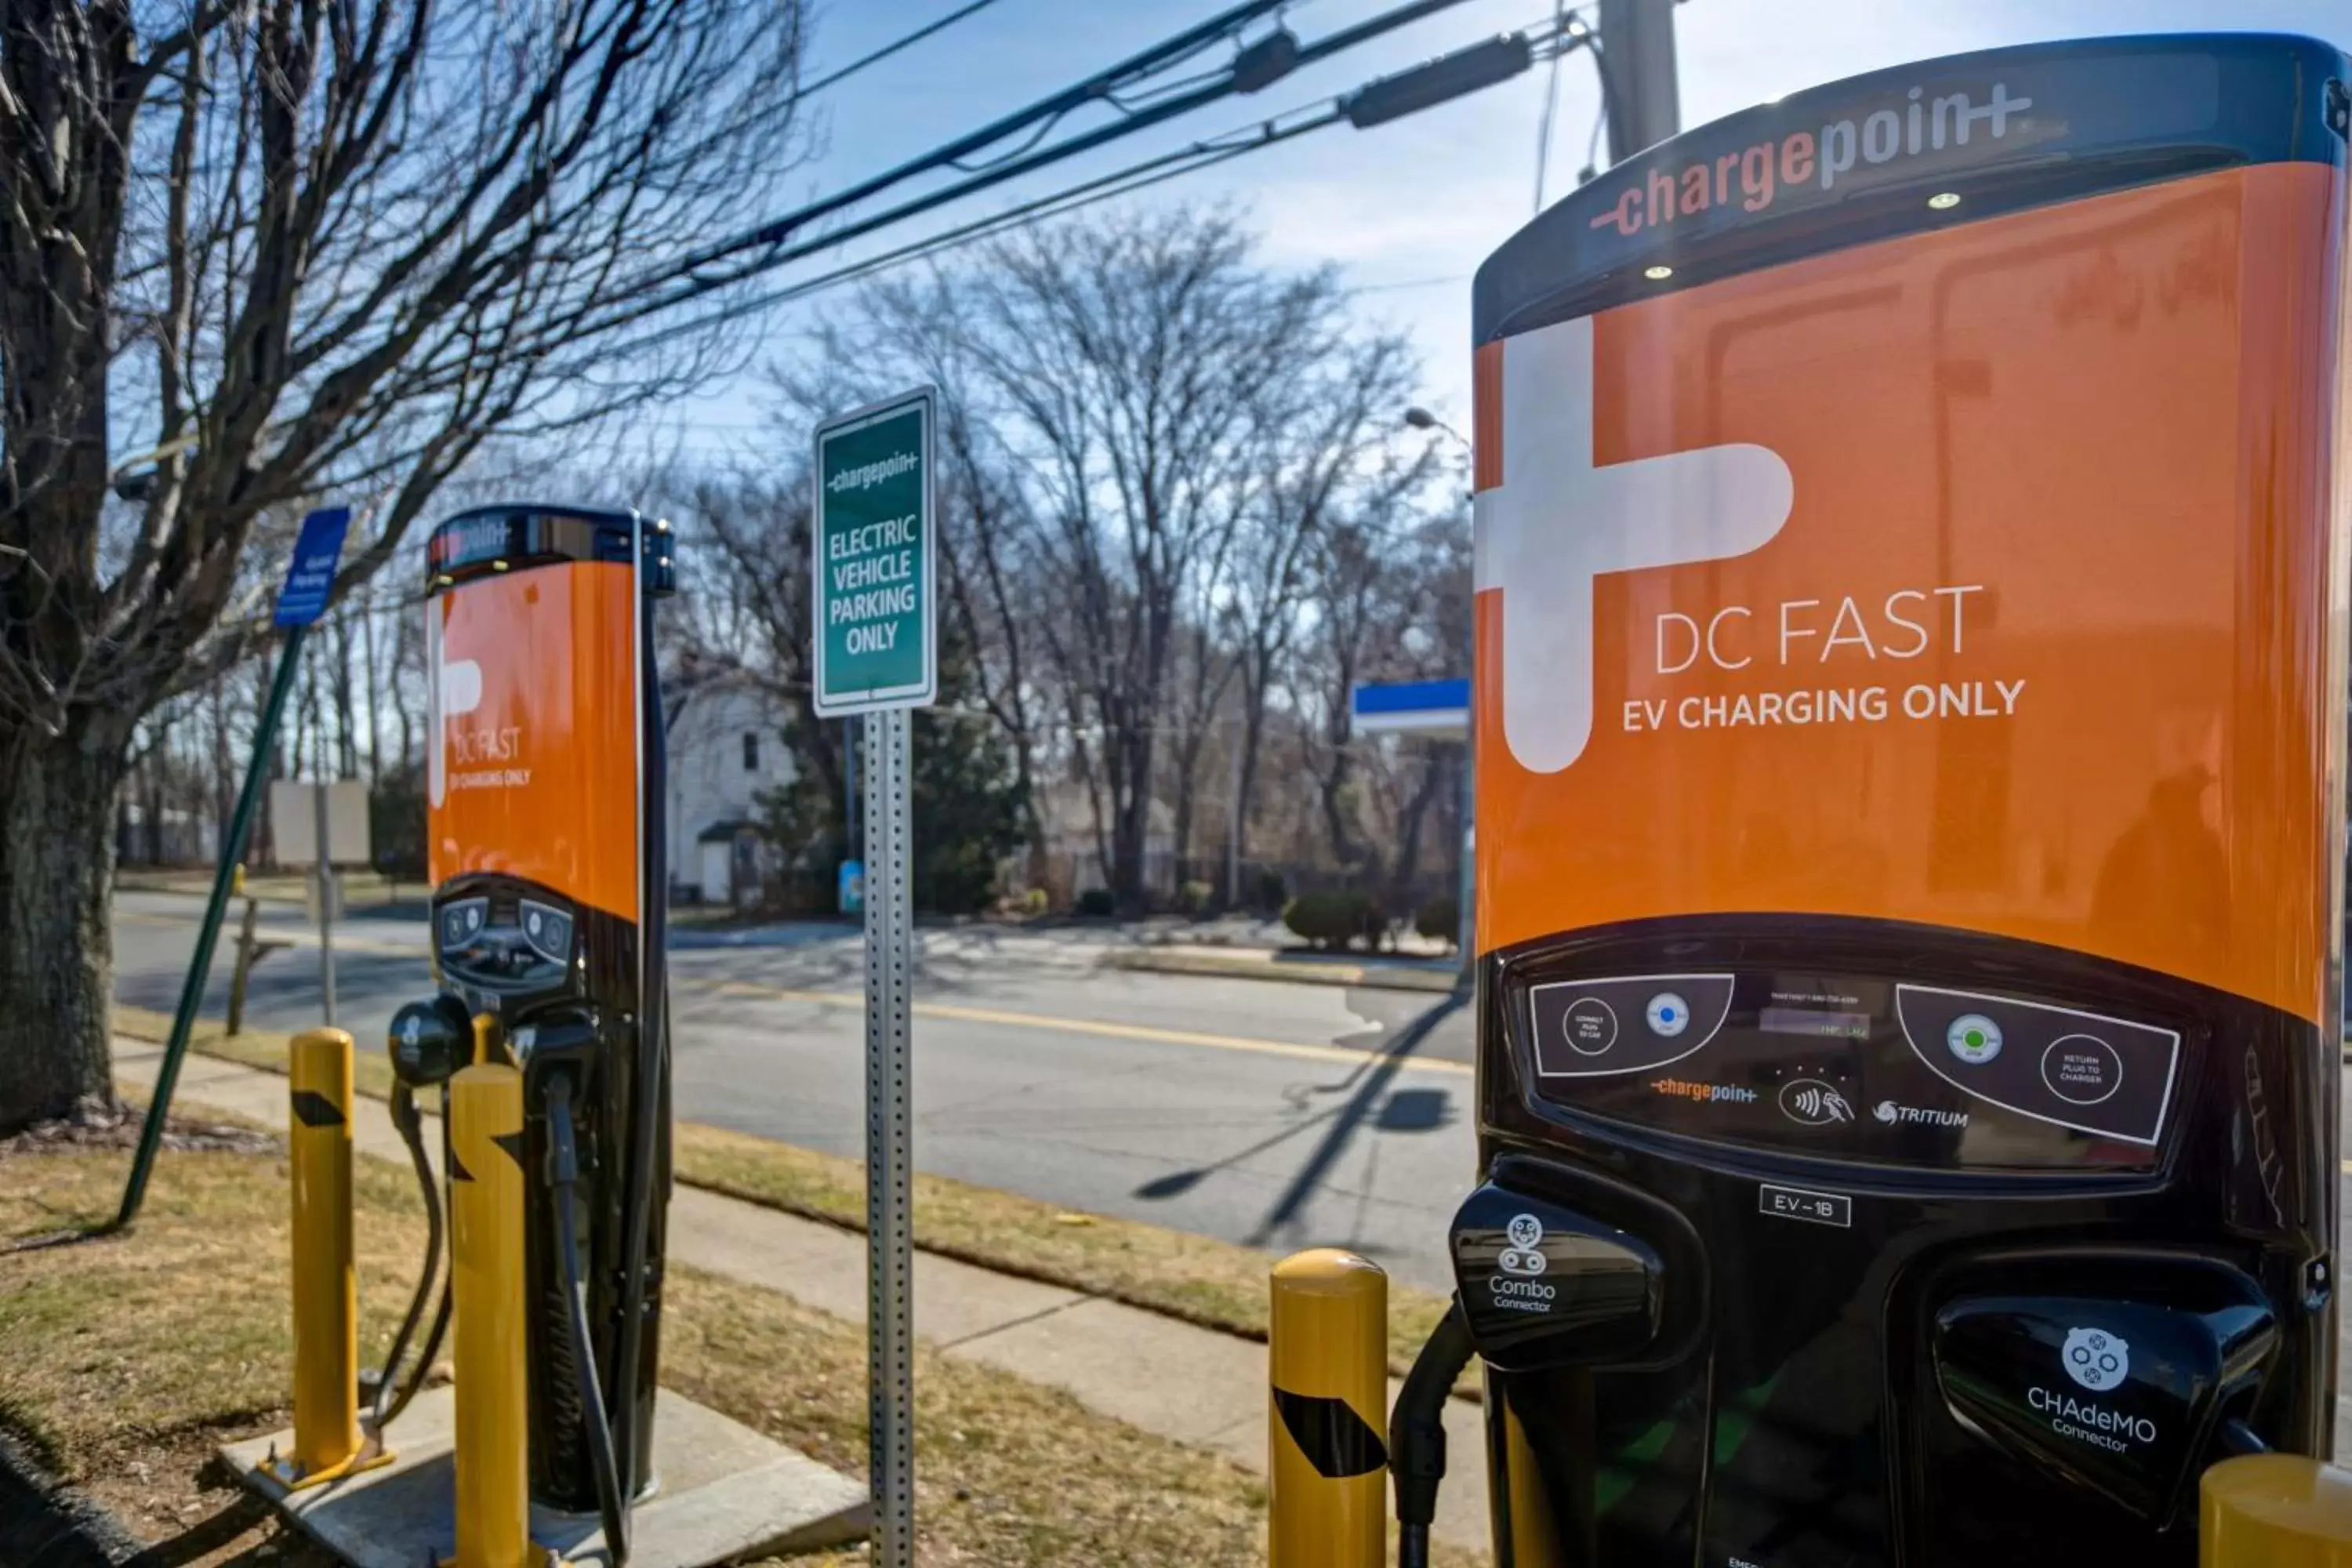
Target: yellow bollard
[[327, 1439], [2275, 1510], [1533, 1535], [485, 1243], [1327, 1465]]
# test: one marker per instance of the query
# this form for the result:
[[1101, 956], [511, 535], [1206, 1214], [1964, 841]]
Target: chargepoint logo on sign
[[1558, 520]]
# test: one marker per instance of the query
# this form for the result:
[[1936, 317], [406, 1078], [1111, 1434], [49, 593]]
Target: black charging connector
[[563, 1178], [1417, 1433]]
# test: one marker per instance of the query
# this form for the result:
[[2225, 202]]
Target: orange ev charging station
[[548, 868], [1910, 712]]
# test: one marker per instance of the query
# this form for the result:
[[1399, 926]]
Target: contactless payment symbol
[[2096, 1358], [1974, 1038], [1813, 1103], [1668, 1013]]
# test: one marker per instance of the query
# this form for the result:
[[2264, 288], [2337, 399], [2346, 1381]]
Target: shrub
[[1314, 916], [1334, 920], [1035, 901], [1098, 902], [1440, 918], [1194, 898], [1273, 893]]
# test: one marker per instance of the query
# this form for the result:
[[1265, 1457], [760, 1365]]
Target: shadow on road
[[1176, 1184], [1367, 1087], [1423, 1110]]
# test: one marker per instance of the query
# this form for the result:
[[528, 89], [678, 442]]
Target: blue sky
[[1407, 210]]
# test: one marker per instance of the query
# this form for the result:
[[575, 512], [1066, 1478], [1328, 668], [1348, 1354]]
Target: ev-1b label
[[1800, 1202]]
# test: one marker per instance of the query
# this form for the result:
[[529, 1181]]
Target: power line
[[1118, 182], [1256, 67], [1551, 103], [1201, 155], [886, 50], [1138, 66]]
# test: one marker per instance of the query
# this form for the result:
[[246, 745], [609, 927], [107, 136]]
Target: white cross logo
[[1556, 521]]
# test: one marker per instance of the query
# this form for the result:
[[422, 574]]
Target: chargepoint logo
[[1558, 522]]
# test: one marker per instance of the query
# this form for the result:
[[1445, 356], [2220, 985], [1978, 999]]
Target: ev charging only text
[[1831, 635]]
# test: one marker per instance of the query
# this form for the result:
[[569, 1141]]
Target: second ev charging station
[[549, 872], [1911, 574]]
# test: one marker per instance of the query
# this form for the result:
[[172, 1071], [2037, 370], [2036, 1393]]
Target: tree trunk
[[56, 952]]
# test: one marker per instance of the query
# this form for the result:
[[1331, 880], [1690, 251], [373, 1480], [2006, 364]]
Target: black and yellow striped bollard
[[1328, 1463], [486, 1252], [328, 1442]]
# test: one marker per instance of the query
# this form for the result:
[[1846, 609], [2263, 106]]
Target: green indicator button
[[1974, 1038]]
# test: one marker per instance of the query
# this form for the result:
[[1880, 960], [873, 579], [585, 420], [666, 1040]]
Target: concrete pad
[[722, 1493], [1168, 1377]]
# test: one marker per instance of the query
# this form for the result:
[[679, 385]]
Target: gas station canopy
[[1437, 709]]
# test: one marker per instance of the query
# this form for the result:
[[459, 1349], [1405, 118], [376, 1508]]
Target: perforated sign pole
[[876, 654], [889, 1150]]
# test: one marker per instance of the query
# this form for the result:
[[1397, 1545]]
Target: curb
[[1308, 972], [44, 1523]]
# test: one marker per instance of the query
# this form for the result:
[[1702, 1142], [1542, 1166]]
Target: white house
[[726, 749]]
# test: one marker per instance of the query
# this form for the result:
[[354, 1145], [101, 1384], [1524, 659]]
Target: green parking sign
[[875, 638]]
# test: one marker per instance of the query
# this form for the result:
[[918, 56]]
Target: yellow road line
[[1346, 1055]]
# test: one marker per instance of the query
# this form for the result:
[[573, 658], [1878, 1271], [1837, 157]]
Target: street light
[[1420, 418]]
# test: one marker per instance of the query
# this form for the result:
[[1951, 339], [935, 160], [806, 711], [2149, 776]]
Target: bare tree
[[907, 330], [1384, 578], [1328, 451], [754, 609], [299, 246], [1119, 360]]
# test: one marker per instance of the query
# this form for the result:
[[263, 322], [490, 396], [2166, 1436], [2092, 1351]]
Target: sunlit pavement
[[1270, 1114]]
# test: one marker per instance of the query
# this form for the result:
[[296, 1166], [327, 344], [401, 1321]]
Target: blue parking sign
[[311, 574]]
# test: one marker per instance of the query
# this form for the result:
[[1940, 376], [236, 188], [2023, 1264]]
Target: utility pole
[[1637, 74]]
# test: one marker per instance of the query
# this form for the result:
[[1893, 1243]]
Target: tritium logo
[[1558, 520], [1887, 1111]]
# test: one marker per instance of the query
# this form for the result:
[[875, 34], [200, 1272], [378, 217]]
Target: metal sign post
[[326, 824], [326, 874], [310, 580], [877, 654]]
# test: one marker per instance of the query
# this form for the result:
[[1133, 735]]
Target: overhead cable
[[1397, 89], [886, 50]]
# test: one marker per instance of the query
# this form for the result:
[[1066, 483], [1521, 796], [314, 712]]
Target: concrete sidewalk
[[1193, 1385]]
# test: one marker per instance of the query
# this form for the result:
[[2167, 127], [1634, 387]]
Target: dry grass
[[142, 1349], [1197, 1278]]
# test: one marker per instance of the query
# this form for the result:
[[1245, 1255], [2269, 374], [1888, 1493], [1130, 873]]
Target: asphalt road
[[1271, 1113]]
